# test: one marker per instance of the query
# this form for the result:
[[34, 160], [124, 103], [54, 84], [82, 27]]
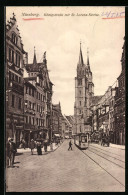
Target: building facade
[[15, 58], [57, 120], [38, 100], [67, 127], [119, 107], [84, 91]]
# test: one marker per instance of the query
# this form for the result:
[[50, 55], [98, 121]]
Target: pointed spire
[[88, 56], [34, 59], [81, 62]]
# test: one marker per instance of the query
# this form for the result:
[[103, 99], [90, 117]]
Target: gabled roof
[[95, 99]]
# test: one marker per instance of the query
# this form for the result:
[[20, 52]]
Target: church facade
[[84, 92]]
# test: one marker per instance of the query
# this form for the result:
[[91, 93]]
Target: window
[[80, 128], [12, 56], [80, 82], [79, 111], [16, 59], [29, 91], [13, 100], [19, 105], [33, 106], [33, 121], [16, 78], [13, 77], [33, 92], [14, 39], [10, 78], [19, 61], [26, 103], [29, 105], [37, 121], [26, 119], [26, 90], [29, 119], [19, 79], [80, 103]]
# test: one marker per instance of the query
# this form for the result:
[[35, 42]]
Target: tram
[[81, 140]]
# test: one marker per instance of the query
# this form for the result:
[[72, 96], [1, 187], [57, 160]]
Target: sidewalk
[[22, 150], [122, 147]]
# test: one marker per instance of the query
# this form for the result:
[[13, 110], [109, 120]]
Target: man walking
[[32, 146], [70, 145], [14, 150], [11, 151]]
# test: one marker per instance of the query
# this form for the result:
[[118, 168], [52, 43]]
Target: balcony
[[27, 110]]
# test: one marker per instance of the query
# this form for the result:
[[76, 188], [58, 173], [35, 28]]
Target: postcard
[[65, 99]]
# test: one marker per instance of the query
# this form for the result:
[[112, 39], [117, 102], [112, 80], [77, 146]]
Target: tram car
[[81, 140]]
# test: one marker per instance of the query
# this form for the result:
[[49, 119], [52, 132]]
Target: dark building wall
[[14, 82]]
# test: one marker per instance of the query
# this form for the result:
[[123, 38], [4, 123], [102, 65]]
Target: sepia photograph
[[65, 98]]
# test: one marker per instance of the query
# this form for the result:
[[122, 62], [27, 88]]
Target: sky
[[60, 35]]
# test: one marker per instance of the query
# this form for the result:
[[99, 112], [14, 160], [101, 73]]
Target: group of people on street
[[11, 149], [10, 152], [39, 146]]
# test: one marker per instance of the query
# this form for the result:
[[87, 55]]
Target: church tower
[[84, 91]]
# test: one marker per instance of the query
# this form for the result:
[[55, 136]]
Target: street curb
[[43, 151], [53, 150]]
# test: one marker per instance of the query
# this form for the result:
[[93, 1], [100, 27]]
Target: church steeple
[[88, 64], [34, 59], [81, 62], [88, 56]]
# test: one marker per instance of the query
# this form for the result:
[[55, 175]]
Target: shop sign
[[19, 127]]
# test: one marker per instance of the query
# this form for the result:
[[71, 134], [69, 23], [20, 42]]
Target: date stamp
[[113, 15]]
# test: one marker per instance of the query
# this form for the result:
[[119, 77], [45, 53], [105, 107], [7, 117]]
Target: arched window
[[14, 38]]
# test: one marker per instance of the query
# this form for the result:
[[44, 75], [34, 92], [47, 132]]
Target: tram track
[[106, 159], [102, 167], [104, 150], [107, 154]]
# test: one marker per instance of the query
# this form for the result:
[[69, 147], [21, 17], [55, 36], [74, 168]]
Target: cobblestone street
[[67, 171]]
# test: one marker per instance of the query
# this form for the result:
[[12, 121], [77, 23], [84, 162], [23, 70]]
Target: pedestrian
[[32, 146], [11, 151], [8, 152], [51, 146], [45, 146], [70, 145], [23, 142], [39, 151], [14, 150]]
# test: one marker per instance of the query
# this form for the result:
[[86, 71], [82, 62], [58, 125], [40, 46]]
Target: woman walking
[[39, 151]]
